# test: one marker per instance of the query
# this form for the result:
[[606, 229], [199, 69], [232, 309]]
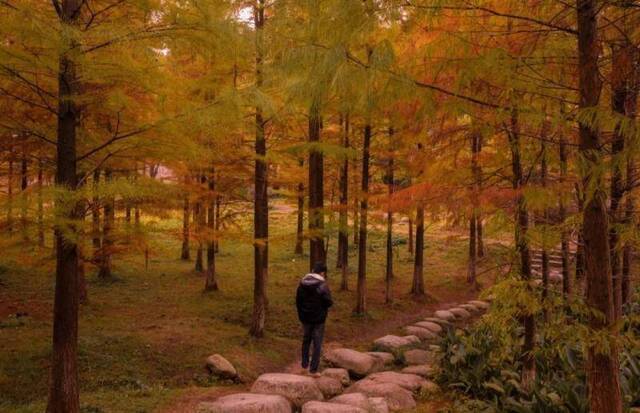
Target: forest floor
[[145, 335]]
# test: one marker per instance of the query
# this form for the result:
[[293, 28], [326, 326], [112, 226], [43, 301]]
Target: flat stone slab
[[386, 358], [470, 308], [445, 315], [397, 398], [420, 332], [342, 375], [324, 407], [297, 389], [357, 363], [417, 357], [362, 401], [460, 313], [430, 325], [482, 305], [247, 403], [422, 370], [329, 386], [411, 382], [392, 343], [442, 323]]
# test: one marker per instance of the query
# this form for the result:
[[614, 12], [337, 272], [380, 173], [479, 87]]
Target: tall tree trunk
[[106, 251], [10, 196], [24, 183], [95, 215], [603, 374], [261, 200], [186, 214], [417, 286], [63, 386], [300, 216], [479, 235], [343, 235], [211, 283], [522, 246], [545, 221], [40, 203], [390, 183], [201, 222], [564, 235], [316, 190], [361, 292], [216, 247], [474, 232]]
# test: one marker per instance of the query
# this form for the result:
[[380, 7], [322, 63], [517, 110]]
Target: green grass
[[145, 336]]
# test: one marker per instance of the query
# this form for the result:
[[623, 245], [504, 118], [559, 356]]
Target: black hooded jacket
[[313, 299]]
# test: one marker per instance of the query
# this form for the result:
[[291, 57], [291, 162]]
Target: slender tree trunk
[[474, 231], [211, 283], [95, 215], [390, 183], [299, 250], [24, 197], [316, 190], [564, 236], [201, 222], [106, 251], [603, 374], [410, 235], [10, 196], [479, 235], [545, 221], [417, 286], [343, 236], [63, 386], [40, 204], [218, 221], [522, 246], [356, 220], [478, 181], [261, 200], [186, 214], [361, 293]]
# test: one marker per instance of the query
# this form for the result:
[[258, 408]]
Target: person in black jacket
[[313, 300]]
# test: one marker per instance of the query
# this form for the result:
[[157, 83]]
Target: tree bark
[[299, 249], [389, 252], [417, 286], [316, 190], [474, 231], [201, 222], [186, 214], [522, 246], [603, 374], [211, 279], [106, 250], [343, 236], [63, 386], [261, 200], [564, 235], [361, 292]]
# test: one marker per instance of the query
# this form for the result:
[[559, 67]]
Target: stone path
[[388, 378]]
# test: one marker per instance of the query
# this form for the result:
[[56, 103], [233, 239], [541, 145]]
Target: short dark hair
[[319, 267]]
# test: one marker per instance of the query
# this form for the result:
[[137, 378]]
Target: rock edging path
[[388, 378]]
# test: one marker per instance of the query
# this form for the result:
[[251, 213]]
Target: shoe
[[315, 374]]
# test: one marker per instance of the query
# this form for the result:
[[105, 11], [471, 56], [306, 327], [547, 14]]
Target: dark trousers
[[313, 333]]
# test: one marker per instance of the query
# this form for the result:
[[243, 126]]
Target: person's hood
[[312, 280]]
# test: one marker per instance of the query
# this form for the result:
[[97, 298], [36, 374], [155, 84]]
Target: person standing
[[313, 300]]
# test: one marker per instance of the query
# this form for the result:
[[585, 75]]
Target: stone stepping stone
[[422, 370], [221, 367], [460, 313], [324, 407], [297, 389], [417, 357], [442, 323], [420, 332], [396, 397], [329, 386], [481, 305], [391, 343], [430, 325], [342, 375], [247, 403], [386, 358], [445, 315], [357, 363], [411, 382], [362, 401], [470, 308]]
